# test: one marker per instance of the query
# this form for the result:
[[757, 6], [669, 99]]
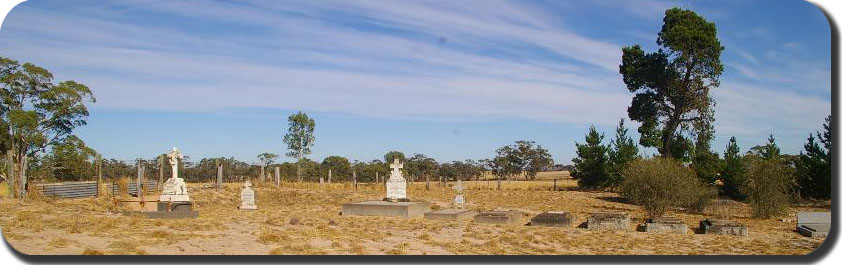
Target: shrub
[[767, 183], [659, 184]]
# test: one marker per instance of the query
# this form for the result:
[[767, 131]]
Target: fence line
[[79, 189]]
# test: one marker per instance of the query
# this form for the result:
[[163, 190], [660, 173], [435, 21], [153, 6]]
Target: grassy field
[[304, 219]]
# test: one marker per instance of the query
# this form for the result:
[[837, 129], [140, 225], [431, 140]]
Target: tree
[[672, 86], [390, 157], [766, 186], [71, 160], [267, 158], [339, 166], [591, 165], [299, 138], [421, 165], [813, 169], [732, 170], [36, 112], [623, 151], [522, 158], [770, 151], [705, 162]]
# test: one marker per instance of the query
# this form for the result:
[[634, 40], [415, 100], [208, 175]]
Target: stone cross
[[396, 168], [396, 185], [174, 156]]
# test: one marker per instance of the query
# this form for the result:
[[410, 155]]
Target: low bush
[[767, 184], [659, 184]]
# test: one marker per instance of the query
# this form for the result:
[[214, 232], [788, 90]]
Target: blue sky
[[450, 79]]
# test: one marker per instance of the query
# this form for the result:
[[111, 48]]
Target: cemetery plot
[[609, 220], [554, 219], [665, 225], [499, 217], [723, 227], [304, 219]]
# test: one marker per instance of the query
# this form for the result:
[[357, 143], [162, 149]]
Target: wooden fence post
[[329, 175], [160, 172], [139, 181], [277, 177], [554, 184], [218, 176], [262, 173], [98, 175], [355, 179]]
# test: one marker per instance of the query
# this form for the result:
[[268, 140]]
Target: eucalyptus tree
[[36, 112], [299, 138]]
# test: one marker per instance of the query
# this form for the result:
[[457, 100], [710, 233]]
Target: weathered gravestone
[[813, 224], [394, 204], [456, 214], [605, 220], [499, 217], [247, 197], [665, 225], [554, 219], [723, 227]]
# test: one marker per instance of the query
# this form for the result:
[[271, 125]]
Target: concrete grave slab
[[723, 227], [451, 214], [813, 224], [385, 208], [553, 219], [609, 220], [499, 217], [665, 225]]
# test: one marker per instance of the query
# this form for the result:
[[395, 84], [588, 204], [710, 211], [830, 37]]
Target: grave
[[499, 217], [723, 227], [247, 197], [553, 219], [451, 214], [607, 220], [457, 213], [395, 203], [813, 224], [174, 202], [665, 225]]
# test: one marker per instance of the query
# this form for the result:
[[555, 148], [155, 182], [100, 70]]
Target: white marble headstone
[[247, 197], [459, 199], [175, 189], [396, 185]]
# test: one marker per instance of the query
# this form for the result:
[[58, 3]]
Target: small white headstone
[[459, 199], [247, 197], [396, 185]]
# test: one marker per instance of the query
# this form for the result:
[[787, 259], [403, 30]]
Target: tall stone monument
[[175, 190], [396, 185]]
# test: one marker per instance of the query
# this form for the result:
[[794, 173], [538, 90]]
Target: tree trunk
[[22, 173], [161, 172], [10, 163]]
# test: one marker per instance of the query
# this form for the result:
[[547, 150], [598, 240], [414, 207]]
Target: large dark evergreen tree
[[732, 170], [672, 85], [623, 151], [814, 164], [591, 165]]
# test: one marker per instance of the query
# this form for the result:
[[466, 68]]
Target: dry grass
[[303, 219]]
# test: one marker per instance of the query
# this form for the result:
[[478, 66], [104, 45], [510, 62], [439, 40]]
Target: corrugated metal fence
[[81, 189]]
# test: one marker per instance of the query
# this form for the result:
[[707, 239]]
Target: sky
[[450, 79]]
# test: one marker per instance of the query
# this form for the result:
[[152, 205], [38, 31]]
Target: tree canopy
[[299, 138], [672, 85]]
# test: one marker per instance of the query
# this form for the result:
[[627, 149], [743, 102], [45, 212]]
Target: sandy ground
[[305, 219]]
